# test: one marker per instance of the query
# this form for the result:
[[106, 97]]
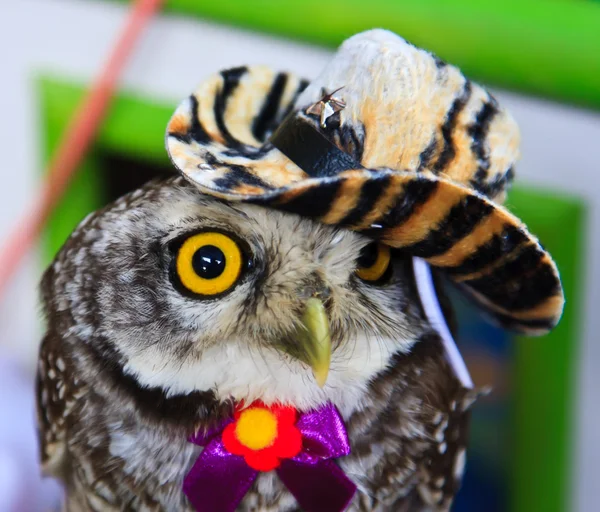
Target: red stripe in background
[[75, 142]]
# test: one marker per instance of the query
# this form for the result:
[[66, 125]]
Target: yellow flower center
[[256, 428]]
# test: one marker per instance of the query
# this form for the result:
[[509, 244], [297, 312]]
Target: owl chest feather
[[407, 431]]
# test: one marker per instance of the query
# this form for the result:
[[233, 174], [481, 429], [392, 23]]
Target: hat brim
[[479, 244]]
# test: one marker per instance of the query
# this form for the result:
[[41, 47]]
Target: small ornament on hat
[[327, 106]]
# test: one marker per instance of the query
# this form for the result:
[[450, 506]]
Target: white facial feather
[[234, 369]]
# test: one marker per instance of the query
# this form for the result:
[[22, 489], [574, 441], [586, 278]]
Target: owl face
[[191, 293]]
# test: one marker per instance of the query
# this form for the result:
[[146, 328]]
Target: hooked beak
[[312, 341]]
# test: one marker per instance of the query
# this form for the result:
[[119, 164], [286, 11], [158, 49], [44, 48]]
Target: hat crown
[[414, 112]]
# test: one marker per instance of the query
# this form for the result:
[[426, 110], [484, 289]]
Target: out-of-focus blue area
[[487, 351]]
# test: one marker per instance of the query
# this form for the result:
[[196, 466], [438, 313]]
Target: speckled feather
[[129, 368]]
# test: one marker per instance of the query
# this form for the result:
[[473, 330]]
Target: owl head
[[185, 292]]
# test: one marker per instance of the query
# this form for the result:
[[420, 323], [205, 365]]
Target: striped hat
[[389, 141]]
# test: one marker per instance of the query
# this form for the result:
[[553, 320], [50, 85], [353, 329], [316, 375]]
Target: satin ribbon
[[218, 480]]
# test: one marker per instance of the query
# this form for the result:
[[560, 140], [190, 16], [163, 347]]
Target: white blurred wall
[[71, 38]]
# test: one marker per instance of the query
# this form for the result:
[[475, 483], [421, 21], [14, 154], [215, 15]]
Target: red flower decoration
[[263, 435]]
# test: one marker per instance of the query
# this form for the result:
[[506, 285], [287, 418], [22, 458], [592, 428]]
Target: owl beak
[[311, 342], [316, 339]]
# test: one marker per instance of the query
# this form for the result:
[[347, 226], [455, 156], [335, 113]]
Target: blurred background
[[536, 439]]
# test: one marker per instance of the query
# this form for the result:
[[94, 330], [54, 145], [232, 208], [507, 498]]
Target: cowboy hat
[[389, 141]]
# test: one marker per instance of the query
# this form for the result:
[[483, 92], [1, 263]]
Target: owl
[[278, 269]]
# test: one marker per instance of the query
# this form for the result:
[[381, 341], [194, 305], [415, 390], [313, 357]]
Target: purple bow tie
[[219, 480]]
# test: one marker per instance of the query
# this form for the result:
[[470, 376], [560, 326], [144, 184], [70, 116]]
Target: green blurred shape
[[544, 377], [134, 126], [544, 47], [545, 410]]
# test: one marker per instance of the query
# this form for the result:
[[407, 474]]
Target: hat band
[[310, 150]]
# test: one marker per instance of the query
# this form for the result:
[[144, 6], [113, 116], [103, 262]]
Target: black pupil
[[368, 256], [208, 262]]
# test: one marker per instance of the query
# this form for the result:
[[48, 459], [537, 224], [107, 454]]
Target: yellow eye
[[373, 262], [208, 263]]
